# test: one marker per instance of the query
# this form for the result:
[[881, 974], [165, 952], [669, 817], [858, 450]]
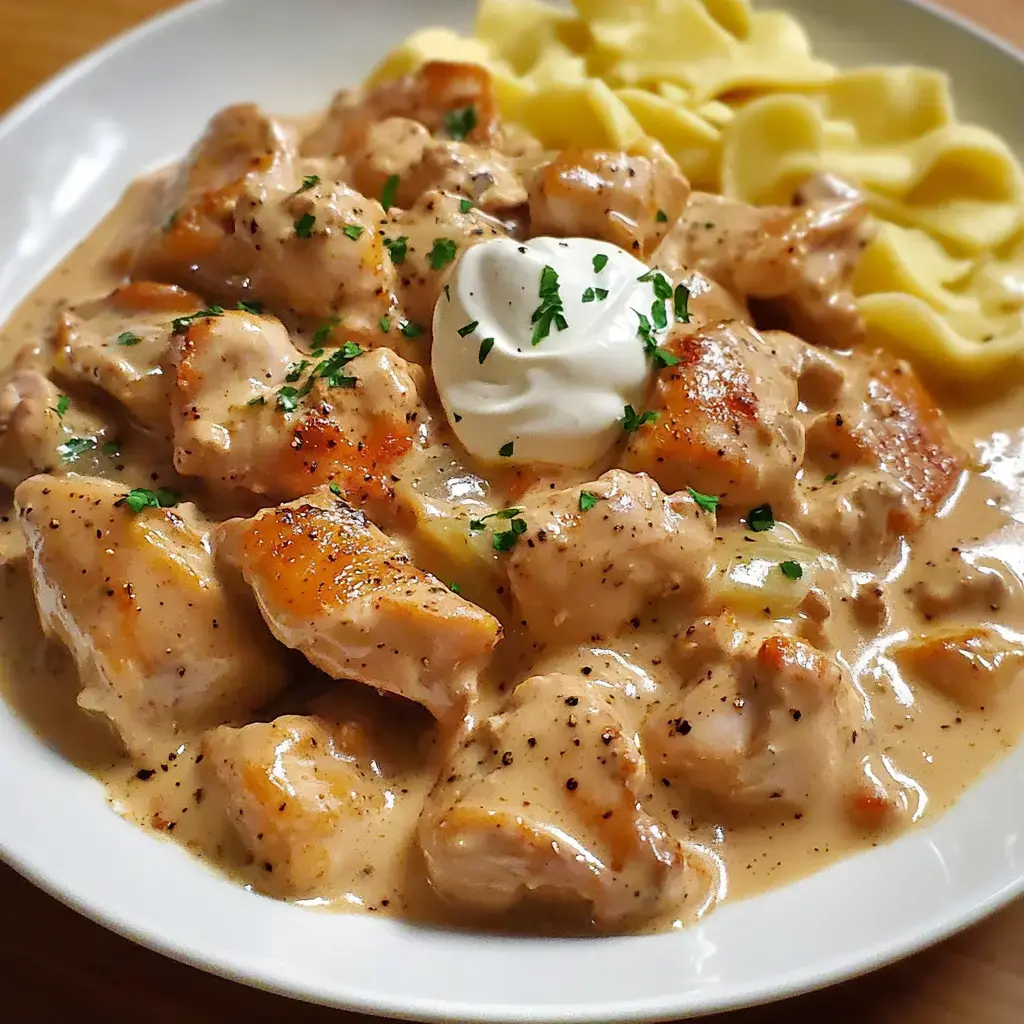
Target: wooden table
[[58, 966]]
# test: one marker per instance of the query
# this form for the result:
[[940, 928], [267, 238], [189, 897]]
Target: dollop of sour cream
[[538, 349]]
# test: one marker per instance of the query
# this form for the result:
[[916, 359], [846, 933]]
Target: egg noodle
[[739, 100]]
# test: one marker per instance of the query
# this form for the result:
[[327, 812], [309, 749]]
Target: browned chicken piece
[[886, 458], [121, 344], [333, 586], [299, 792], [801, 258], [971, 665], [318, 251], [726, 417], [191, 241], [760, 724], [545, 806], [432, 235], [452, 100], [406, 153], [627, 199], [163, 647], [252, 411], [971, 588], [578, 574], [41, 433]]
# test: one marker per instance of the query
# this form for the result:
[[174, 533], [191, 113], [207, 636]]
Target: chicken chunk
[[726, 417], [627, 199], [121, 344], [317, 251], [584, 573], [41, 433], [404, 151], [432, 235], [297, 791], [888, 457], [971, 665], [761, 723], [553, 812], [191, 240], [333, 586], [448, 98], [164, 648], [801, 258], [252, 411]]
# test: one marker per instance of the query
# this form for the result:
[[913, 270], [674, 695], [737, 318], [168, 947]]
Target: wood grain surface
[[57, 966]]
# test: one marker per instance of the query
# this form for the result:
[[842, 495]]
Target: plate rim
[[884, 951]]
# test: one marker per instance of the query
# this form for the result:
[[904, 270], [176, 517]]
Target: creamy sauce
[[919, 742]]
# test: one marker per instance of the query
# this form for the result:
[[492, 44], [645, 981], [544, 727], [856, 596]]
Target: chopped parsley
[[831, 478], [127, 338], [247, 306], [600, 262], [387, 196], [308, 182], [761, 518], [460, 122], [468, 329], [601, 293], [258, 400], [661, 217], [334, 488], [465, 205], [662, 357], [323, 332], [506, 450], [353, 231], [550, 310], [659, 314], [385, 324], [171, 221], [295, 371], [179, 325], [505, 513], [411, 330], [141, 497], [708, 502], [329, 369], [681, 303], [791, 570], [75, 446], [304, 225], [288, 398], [454, 587], [633, 421], [506, 540], [397, 247], [485, 347], [62, 406], [587, 501], [589, 295], [442, 253]]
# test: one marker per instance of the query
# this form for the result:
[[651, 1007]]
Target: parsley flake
[[247, 306], [708, 502], [601, 293], [681, 303], [633, 421], [506, 540], [353, 231], [385, 324], [504, 513], [62, 406], [334, 488], [411, 330], [761, 518], [258, 400], [288, 397], [141, 498], [323, 332], [485, 348], [465, 205], [550, 310], [171, 221], [398, 248], [664, 358], [831, 478], [587, 501], [468, 329], [791, 570], [589, 295], [295, 371], [506, 450], [600, 262], [308, 182], [387, 196], [661, 217], [460, 122], [304, 226], [442, 253], [454, 587], [75, 446], [126, 338], [179, 325]]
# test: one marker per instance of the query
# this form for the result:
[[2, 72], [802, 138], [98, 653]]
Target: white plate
[[65, 155]]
